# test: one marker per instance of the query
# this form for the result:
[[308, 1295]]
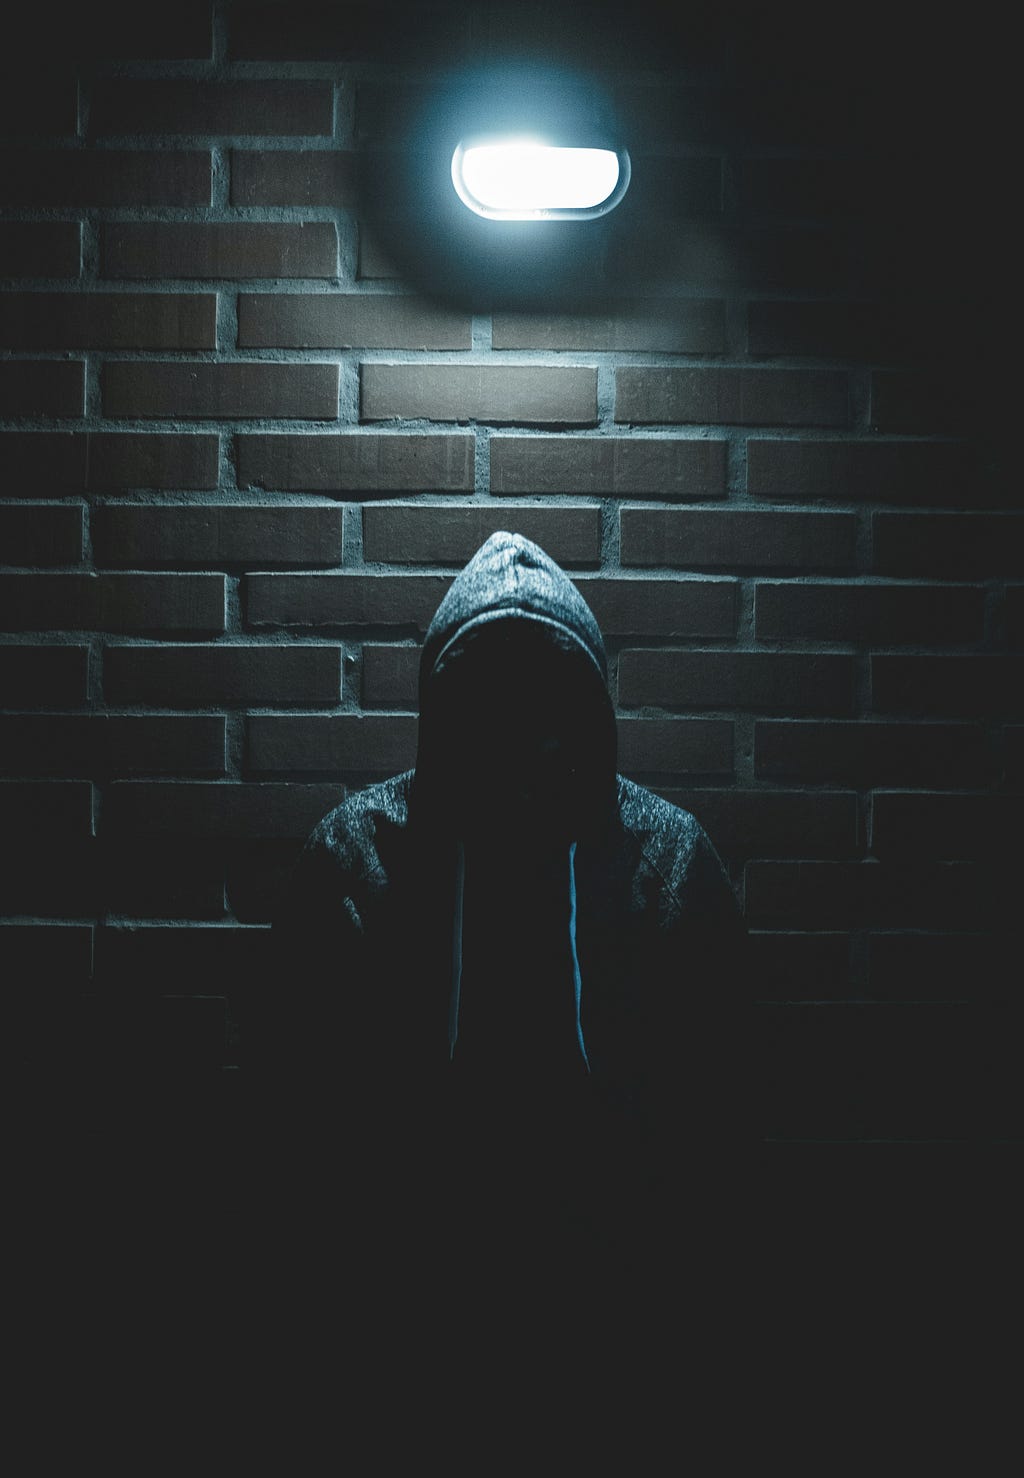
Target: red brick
[[161, 877], [885, 614], [215, 959], [867, 752], [41, 534], [56, 953], [44, 463], [183, 106], [709, 257], [225, 808], [975, 685], [1014, 615], [767, 682], [797, 967], [222, 676], [450, 536], [40, 249], [953, 825], [41, 462], [212, 391], [674, 746], [34, 102], [33, 809], [97, 744], [774, 823], [151, 460], [294, 177], [332, 744], [390, 676], [349, 320], [56, 877], [141, 535], [950, 546], [72, 177], [914, 402], [721, 539], [646, 607], [830, 329], [627, 467], [374, 264], [141, 603], [108, 320], [650, 395], [363, 463], [219, 249], [498, 393], [344, 600], [934, 966], [841, 895], [860, 471], [42, 387], [650, 325], [37, 676]]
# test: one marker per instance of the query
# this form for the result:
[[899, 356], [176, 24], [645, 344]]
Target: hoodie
[[510, 974]]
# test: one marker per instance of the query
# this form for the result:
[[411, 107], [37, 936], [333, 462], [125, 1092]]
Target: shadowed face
[[519, 724]]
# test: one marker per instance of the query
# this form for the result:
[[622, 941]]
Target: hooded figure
[[511, 974]]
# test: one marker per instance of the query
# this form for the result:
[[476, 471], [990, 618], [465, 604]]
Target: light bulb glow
[[524, 179]]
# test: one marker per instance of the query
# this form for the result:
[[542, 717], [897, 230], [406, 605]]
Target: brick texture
[[108, 320], [721, 540], [542, 394], [664, 325], [969, 686], [214, 676], [49, 177], [888, 615], [41, 463], [776, 823], [219, 249], [390, 676], [367, 464], [410, 535], [292, 391], [869, 752], [331, 744], [745, 397], [43, 676], [42, 388], [38, 534], [128, 603], [616, 466], [767, 682], [40, 249], [912, 472], [141, 536], [343, 600], [186, 107], [294, 177], [98, 744], [348, 320]]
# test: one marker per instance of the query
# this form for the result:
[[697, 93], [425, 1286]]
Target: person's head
[[517, 732]]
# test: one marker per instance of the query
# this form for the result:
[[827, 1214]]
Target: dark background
[[263, 393]]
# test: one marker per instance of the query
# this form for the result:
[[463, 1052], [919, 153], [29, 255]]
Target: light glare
[[522, 179]]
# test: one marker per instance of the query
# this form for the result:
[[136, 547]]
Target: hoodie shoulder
[[673, 843], [348, 833]]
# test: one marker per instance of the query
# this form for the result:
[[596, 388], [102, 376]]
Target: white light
[[522, 179]]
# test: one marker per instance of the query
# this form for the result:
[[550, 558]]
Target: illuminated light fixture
[[525, 179]]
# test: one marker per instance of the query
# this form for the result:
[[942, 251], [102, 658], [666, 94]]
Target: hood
[[516, 754], [516, 738]]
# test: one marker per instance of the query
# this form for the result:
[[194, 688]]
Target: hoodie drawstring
[[577, 981], [455, 995]]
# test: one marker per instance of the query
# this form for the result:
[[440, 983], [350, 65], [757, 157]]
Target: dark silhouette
[[506, 982]]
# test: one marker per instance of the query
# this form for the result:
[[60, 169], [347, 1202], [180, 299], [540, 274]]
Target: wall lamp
[[527, 179], [495, 187]]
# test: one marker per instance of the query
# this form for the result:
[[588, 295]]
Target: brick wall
[[243, 455]]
